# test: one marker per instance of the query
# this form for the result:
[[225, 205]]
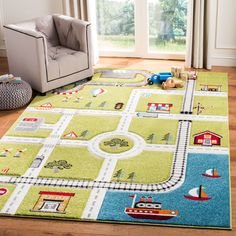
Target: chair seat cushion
[[64, 61]]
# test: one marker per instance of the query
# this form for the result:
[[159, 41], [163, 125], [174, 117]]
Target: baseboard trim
[[223, 61]]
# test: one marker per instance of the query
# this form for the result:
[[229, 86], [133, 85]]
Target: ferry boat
[[212, 173], [197, 194], [145, 208]]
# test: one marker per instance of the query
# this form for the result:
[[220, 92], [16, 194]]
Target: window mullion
[[141, 28]]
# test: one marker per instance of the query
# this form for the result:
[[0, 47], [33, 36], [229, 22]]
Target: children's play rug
[[115, 149]]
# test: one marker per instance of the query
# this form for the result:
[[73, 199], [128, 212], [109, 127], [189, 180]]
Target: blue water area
[[211, 213]]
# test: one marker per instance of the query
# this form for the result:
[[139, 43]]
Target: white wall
[[222, 32], [12, 11]]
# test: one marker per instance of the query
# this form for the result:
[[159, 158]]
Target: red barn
[[207, 138]]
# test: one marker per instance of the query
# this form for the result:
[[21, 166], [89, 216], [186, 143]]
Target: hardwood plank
[[10, 226]]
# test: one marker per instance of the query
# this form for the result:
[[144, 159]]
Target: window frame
[[141, 48]]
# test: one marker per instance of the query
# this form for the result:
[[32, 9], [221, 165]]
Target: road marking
[[160, 147], [11, 139], [208, 150], [211, 94], [107, 169], [94, 204], [15, 199]]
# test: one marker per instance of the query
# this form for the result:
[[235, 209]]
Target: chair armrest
[[82, 30], [29, 32], [26, 52]]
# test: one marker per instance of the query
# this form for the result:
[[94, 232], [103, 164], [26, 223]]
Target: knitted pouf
[[14, 95]]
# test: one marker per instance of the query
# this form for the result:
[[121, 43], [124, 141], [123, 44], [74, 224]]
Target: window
[[167, 25], [115, 24], [142, 28]]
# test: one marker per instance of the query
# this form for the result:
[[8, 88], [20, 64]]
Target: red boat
[[147, 209], [197, 194], [212, 173]]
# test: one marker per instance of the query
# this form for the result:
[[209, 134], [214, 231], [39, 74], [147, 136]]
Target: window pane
[[167, 25], [115, 24]]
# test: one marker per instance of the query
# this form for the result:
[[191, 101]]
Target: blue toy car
[[159, 78]]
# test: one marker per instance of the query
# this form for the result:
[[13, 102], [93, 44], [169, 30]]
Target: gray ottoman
[[14, 94]]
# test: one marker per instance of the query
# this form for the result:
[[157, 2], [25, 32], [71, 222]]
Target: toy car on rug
[[172, 83], [158, 78]]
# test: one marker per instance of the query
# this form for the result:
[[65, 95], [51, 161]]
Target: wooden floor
[[15, 226]]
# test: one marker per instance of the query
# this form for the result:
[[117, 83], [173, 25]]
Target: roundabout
[[116, 145]]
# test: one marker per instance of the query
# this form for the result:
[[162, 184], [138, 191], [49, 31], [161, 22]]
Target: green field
[[4, 198], [84, 165], [138, 78], [128, 42], [212, 78], [84, 99], [74, 209], [86, 127], [220, 128], [211, 105], [155, 131], [49, 118], [17, 166], [176, 100], [149, 167]]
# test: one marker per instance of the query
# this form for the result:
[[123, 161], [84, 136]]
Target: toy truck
[[158, 78]]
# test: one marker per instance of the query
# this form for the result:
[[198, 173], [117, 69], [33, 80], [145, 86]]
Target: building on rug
[[159, 107], [53, 202], [210, 87], [207, 138], [29, 124]]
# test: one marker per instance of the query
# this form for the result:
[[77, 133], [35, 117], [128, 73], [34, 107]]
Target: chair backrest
[[67, 31], [46, 26], [59, 30]]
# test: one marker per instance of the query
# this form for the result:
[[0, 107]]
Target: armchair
[[49, 52]]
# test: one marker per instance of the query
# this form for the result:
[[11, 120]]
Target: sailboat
[[146, 208], [197, 194], [212, 173]]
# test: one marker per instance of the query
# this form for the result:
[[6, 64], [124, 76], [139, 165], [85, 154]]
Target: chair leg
[[42, 94], [89, 78]]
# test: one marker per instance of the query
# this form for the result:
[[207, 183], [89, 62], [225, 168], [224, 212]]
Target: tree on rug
[[88, 104], [58, 165], [117, 142], [119, 174], [103, 104], [84, 133], [168, 138], [151, 137], [131, 177]]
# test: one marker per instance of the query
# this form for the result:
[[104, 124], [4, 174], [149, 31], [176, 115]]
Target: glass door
[[142, 28], [115, 25], [167, 27]]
